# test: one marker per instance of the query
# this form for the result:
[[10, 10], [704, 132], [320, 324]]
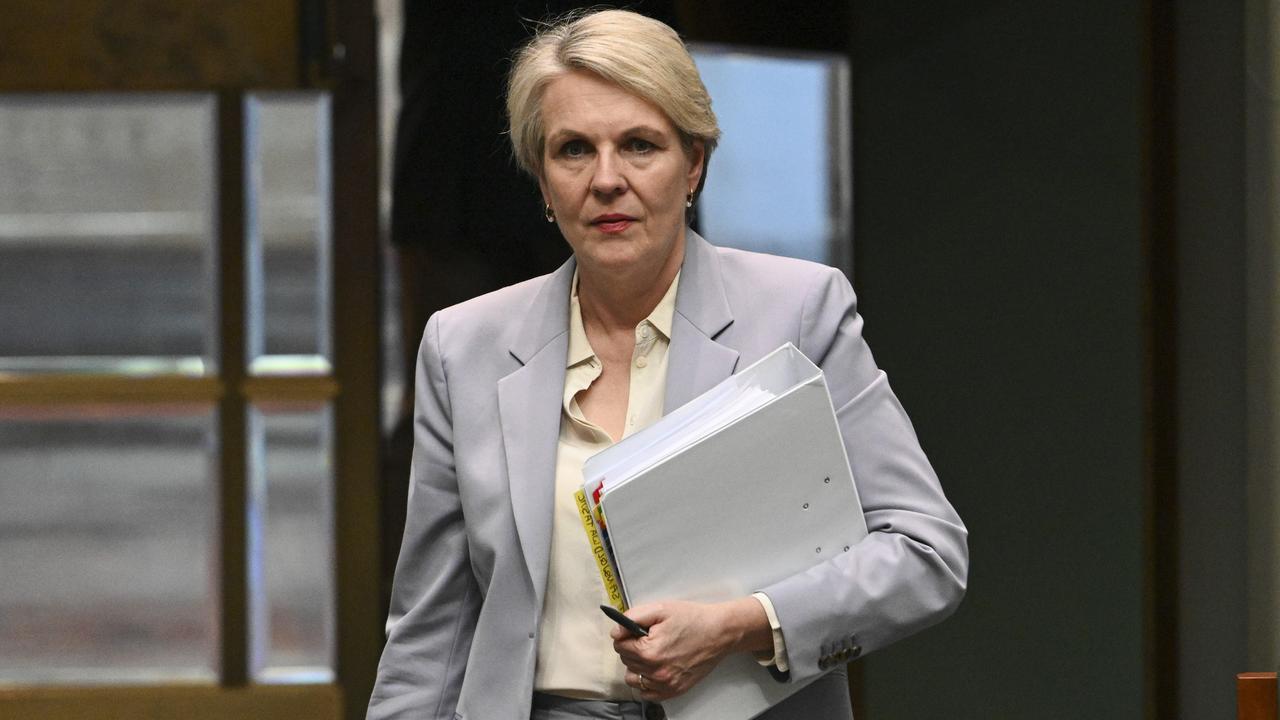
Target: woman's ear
[[697, 155]]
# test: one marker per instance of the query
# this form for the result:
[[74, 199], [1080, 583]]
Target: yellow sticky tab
[[607, 576]]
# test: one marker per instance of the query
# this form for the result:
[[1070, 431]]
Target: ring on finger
[[643, 686]]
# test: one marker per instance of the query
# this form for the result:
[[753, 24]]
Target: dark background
[[1049, 248]]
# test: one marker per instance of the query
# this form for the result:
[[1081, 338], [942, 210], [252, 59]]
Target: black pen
[[624, 621]]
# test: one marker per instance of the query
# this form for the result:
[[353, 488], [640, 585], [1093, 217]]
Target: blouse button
[[641, 361]]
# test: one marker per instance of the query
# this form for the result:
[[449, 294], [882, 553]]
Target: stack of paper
[[745, 485]]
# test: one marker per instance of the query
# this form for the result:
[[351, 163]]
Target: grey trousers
[[555, 707]]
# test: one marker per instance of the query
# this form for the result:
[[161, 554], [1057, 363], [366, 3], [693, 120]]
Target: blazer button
[[854, 652]]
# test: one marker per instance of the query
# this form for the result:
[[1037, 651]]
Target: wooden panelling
[[1256, 696], [289, 389], [357, 352], [233, 470], [55, 389], [59, 389], [106, 45], [197, 702]]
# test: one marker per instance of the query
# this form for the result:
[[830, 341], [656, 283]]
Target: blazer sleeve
[[911, 569], [435, 600]]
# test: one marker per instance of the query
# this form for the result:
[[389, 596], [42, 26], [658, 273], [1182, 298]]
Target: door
[[188, 359]]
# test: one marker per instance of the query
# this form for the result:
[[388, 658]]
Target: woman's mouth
[[613, 223]]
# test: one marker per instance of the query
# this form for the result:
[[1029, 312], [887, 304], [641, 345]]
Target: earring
[[688, 200], [548, 213]]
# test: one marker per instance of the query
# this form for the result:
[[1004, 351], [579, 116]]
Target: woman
[[494, 608]]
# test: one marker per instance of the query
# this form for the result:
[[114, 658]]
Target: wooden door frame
[[328, 45], [358, 350]]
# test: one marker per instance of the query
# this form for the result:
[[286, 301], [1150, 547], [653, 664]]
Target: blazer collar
[[701, 298], [548, 315], [698, 360]]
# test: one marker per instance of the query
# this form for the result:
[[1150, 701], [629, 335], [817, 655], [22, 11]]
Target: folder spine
[[604, 563]]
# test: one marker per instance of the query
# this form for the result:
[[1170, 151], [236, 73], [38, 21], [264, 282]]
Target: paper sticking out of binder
[[745, 485]]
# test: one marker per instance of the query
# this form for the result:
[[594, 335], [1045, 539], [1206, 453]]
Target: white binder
[[747, 484]]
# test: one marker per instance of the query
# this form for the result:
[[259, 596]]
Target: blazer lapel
[[529, 402], [698, 361]]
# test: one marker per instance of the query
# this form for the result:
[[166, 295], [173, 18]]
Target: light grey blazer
[[472, 574]]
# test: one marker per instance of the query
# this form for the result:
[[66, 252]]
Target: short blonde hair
[[639, 54]]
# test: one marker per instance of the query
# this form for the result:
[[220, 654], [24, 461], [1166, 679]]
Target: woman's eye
[[642, 146], [573, 149]]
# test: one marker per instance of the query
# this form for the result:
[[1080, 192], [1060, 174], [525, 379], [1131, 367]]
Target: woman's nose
[[609, 178]]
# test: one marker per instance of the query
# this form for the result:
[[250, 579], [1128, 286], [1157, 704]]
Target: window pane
[[291, 543], [108, 544], [287, 143], [106, 232], [780, 181]]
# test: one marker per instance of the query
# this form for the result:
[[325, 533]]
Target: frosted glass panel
[[287, 146], [291, 543], [779, 182], [107, 232], [108, 544]]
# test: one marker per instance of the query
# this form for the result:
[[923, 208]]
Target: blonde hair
[[639, 54]]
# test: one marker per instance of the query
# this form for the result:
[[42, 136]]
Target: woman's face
[[616, 174]]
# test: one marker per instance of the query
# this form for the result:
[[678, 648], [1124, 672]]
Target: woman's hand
[[686, 641]]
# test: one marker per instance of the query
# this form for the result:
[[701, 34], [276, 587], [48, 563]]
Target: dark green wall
[[998, 257]]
